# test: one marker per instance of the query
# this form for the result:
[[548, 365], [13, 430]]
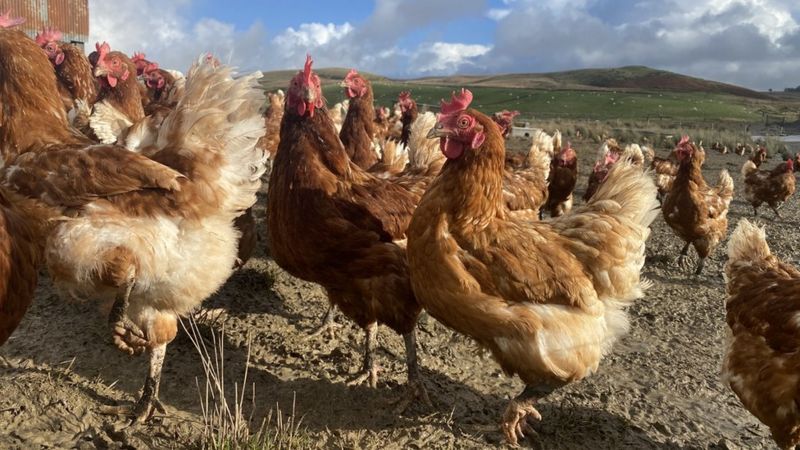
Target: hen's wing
[[108, 123], [594, 252], [74, 176]]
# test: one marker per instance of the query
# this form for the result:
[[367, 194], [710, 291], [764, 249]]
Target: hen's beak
[[342, 84], [100, 71], [308, 95], [437, 131]]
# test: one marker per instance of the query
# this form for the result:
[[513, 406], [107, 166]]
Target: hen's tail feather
[[541, 153], [618, 216], [220, 115], [748, 243], [633, 189], [557, 141], [748, 167], [423, 153], [634, 153], [725, 186]]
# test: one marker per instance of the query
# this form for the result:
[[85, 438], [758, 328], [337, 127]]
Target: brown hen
[[332, 223], [762, 352]]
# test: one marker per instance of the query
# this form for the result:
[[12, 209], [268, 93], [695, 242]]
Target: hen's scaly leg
[[148, 403], [127, 336], [776, 212], [681, 261], [520, 413], [700, 265], [415, 388], [329, 325], [369, 372]]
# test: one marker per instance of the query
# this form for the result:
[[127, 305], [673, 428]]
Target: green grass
[[535, 104]]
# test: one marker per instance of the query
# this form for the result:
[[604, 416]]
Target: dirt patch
[[659, 388]]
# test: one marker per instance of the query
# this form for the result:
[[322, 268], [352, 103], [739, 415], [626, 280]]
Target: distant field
[[628, 93], [585, 104]]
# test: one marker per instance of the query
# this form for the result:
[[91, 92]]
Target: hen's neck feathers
[[689, 171], [319, 143], [473, 183], [408, 118], [126, 96], [75, 73], [359, 128]]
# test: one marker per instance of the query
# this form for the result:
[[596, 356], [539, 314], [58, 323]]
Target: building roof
[[71, 17]]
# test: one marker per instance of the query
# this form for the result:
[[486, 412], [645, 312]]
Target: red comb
[[137, 57], [103, 49], [458, 103], [351, 74], [48, 35], [151, 67], [684, 140], [307, 69], [6, 21], [405, 95]]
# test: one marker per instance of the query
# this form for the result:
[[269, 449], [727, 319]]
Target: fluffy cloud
[[443, 57], [174, 41], [749, 42], [169, 38]]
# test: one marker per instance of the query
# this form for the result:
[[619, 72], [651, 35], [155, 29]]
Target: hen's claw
[[368, 375], [414, 391], [518, 419], [328, 327], [128, 337], [141, 411]]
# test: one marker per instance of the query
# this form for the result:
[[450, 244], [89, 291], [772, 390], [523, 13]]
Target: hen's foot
[[368, 375], [700, 265], [140, 412], [328, 330], [128, 337], [369, 372], [328, 327], [518, 420], [414, 392], [682, 261]]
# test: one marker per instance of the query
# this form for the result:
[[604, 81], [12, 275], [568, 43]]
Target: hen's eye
[[463, 122]]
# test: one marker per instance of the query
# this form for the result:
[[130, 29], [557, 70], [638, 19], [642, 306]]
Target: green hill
[[629, 78], [629, 93]]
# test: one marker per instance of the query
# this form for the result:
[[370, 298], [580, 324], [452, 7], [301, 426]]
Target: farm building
[[71, 17]]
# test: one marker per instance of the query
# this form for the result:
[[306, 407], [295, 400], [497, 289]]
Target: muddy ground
[[660, 387]]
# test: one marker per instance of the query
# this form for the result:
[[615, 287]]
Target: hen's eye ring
[[463, 122]]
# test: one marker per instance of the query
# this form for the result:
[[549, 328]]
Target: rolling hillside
[[629, 93], [636, 78]]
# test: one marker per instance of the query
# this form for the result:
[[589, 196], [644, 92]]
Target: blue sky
[[755, 43]]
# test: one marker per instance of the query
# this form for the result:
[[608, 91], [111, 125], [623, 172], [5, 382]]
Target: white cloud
[[751, 42], [313, 34], [168, 38], [498, 13], [444, 57]]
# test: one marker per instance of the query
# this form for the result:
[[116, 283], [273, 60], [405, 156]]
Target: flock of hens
[[132, 185]]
